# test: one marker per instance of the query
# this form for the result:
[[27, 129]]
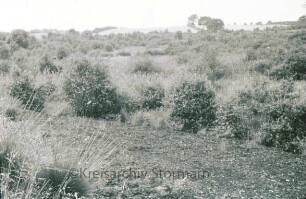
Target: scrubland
[[231, 103]]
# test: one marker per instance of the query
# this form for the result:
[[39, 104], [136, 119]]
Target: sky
[[89, 14]]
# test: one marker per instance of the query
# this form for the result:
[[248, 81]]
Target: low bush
[[124, 53], [90, 91], [271, 111], [109, 48], [4, 52], [47, 66], [144, 66], [4, 67], [194, 106], [153, 98], [31, 98], [156, 52], [262, 66]]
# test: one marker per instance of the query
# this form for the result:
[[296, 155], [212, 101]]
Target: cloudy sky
[[89, 14]]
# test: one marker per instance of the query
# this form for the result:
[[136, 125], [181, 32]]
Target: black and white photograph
[[153, 99]]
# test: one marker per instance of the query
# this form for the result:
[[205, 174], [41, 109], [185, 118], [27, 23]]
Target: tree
[[211, 24], [203, 21], [192, 21], [179, 35], [259, 23]]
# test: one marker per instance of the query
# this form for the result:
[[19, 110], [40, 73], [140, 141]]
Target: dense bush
[[31, 98], [271, 111], [90, 91], [293, 67], [153, 98], [61, 183], [194, 106]]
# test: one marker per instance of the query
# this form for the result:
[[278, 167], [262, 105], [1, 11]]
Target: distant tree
[[251, 23], [235, 24], [192, 21], [211, 24], [269, 22], [259, 23], [302, 21], [203, 21], [245, 24], [179, 35]]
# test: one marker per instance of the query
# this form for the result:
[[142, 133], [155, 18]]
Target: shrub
[[4, 52], [90, 91], [144, 66], [109, 48], [20, 38], [250, 55], [270, 110], [219, 72], [194, 106], [4, 67], [156, 52], [124, 53], [11, 114], [47, 66], [61, 53], [263, 67], [293, 67], [299, 35], [31, 98], [61, 183], [153, 98]]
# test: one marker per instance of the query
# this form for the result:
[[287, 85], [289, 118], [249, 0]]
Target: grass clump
[[61, 184], [90, 91], [10, 167], [194, 106], [30, 97], [11, 113]]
